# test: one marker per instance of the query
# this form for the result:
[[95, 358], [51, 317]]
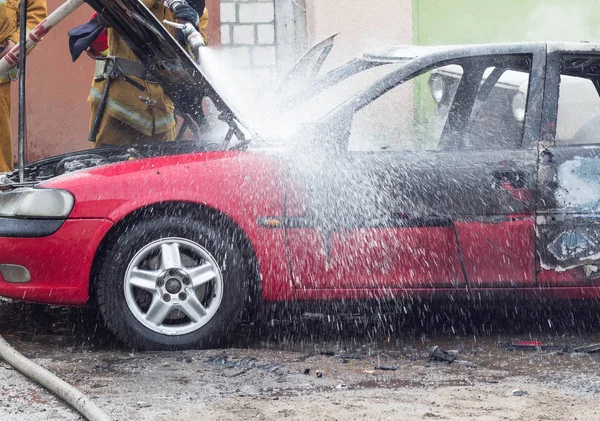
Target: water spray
[[213, 72]]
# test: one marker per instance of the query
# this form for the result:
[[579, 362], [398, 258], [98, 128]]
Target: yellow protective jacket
[[10, 17], [203, 25], [150, 111]]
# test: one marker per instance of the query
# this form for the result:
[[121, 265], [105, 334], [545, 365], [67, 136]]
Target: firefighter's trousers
[[6, 157]]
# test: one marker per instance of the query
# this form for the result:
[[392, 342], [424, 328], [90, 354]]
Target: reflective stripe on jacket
[[149, 111]]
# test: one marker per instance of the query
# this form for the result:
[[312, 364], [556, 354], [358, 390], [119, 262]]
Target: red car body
[[250, 186], [486, 196]]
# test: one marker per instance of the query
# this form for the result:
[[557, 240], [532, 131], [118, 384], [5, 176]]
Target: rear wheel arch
[[195, 211]]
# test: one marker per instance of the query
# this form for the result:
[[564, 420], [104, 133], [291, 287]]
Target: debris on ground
[[304, 357], [386, 367], [518, 343], [246, 363], [588, 348], [519, 392], [319, 374], [438, 354], [561, 384]]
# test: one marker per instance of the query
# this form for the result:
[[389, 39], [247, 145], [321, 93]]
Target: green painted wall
[[482, 21]]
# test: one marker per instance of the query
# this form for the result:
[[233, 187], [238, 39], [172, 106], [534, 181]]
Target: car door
[[351, 232], [446, 212], [569, 174]]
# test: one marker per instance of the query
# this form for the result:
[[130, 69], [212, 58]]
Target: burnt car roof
[[396, 53]]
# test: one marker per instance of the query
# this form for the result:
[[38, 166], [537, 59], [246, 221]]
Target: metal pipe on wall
[[22, 97]]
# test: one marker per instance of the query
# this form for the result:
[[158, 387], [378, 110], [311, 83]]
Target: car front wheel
[[172, 283]]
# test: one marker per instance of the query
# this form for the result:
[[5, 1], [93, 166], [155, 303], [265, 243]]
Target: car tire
[[143, 252]]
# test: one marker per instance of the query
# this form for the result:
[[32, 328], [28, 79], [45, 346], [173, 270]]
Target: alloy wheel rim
[[173, 286]]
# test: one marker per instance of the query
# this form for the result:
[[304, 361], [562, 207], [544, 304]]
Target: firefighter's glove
[[181, 37], [187, 14]]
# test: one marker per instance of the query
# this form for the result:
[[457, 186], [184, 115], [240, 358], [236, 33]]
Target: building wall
[[482, 21], [248, 32], [362, 25]]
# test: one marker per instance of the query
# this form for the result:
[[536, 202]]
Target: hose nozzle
[[193, 37]]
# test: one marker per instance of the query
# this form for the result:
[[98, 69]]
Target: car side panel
[[499, 253], [374, 258], [244, 186], [528, 293]]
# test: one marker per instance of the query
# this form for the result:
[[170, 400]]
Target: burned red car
[[382, 195]]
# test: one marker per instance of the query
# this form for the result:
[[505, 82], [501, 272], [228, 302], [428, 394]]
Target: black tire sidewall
[[109, 285]]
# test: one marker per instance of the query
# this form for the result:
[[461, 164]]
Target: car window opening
[[578, 119], [469, 104]]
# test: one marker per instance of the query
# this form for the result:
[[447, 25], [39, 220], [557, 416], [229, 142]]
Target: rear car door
[[569, 174], [410, 194]]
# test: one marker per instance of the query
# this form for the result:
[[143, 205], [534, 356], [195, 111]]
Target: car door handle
[[508, 180], [514, 183]]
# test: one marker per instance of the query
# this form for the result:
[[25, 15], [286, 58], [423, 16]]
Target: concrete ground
[[320, 367]]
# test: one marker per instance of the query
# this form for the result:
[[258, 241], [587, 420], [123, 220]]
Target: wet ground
[[315, 363]]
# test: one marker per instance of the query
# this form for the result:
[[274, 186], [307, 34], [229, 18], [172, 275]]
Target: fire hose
[[14, 57], [11, 58], [22, 127], [27, 367], [51, 382]]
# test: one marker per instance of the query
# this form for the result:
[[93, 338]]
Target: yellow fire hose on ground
[[27, 367], [51, 382], [42, 376]]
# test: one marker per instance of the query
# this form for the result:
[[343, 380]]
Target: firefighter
[[137, 110], [9, 37]]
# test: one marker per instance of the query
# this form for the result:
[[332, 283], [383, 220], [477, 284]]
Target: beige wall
[[363, 25]]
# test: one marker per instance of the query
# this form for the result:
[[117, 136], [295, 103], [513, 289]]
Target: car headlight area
[[36, 203], [30, 212]]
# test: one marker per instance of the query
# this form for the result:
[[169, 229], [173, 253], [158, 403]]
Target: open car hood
[[181, 77]]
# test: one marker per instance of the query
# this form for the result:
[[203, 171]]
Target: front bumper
[[28, 228], [59, 264]]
